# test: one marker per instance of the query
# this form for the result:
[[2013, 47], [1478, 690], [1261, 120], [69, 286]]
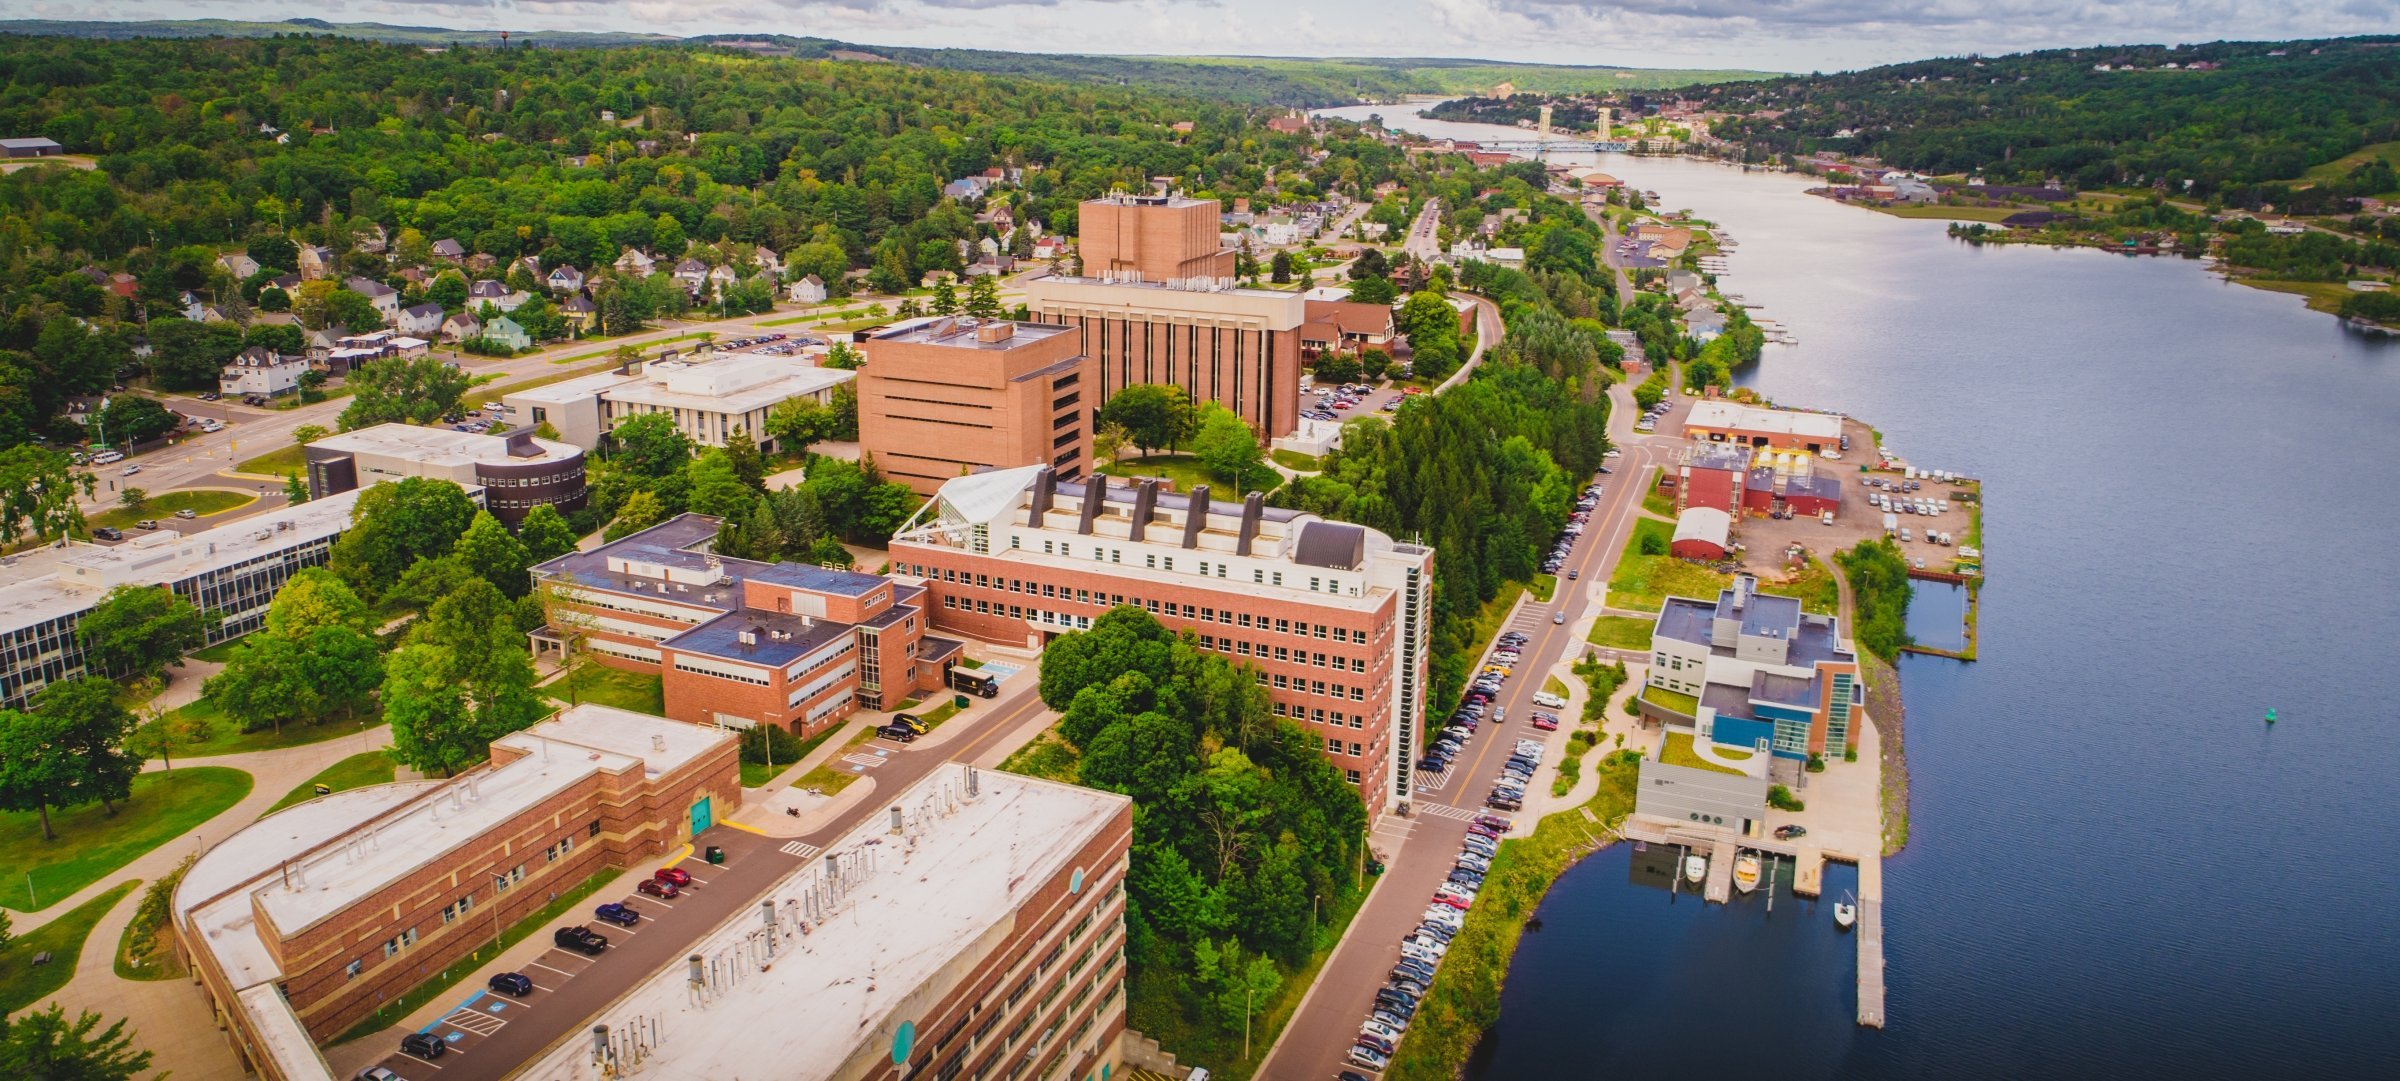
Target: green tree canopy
[[1153, 415], [416, 391], [136, 631]]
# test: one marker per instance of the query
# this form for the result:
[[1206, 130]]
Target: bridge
[[1552, 146]]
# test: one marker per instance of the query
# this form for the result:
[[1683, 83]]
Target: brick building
[[942, 397], [738, 642], [306, 921], [1156, 303], [973, 930], [1334, 617], [516, 471]]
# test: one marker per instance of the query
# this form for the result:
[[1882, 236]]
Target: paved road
[[1423, 233], [1420, 849], [487, 1044]]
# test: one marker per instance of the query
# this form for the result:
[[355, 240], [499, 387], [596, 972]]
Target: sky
[[1776, 35]]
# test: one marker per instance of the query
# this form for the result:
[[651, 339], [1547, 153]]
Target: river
[[2115, 868]]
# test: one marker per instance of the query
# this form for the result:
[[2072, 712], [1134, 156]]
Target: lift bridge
[[1540, 147]]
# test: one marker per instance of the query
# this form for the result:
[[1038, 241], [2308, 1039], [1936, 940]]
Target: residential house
[[482, 262], [192, 307], [808, 290], [123, 284], [240, 265], [495, 293], [258, 370], [505, 331], [319, 344], [1277, 231], [1347, 323], [461, 328], [964, 189], [564, 278], [414, 275], [449, 250], [316, 262], [1290, 124], [385, 298], [692, 273], [423, 320], [580, 312], [636, 263], [768, 263], [1050, 247], [371, 239], [721, 277]]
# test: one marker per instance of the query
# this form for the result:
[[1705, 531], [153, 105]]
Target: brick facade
[[941, 398]]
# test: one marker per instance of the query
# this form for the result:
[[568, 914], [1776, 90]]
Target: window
[[350, 971], [595, 829]]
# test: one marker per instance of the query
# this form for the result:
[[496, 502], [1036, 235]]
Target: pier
[[1870, 942]]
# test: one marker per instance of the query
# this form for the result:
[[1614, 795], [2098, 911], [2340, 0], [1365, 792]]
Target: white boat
[[1844, 913], [1695, 868], [1745, 872]]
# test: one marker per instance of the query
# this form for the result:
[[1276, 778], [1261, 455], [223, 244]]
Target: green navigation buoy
[[2270, 715]]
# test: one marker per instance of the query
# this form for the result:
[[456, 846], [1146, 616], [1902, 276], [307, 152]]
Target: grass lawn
[[2340, 167], [1186, 473], [356, 771], [1677, 751], [1292, 459], [1621, 632], [276, 463], [1678, 701], [146, 949], [1465, 997], [1952, 213], [21, 982], [612, 349], [90, 844], [226, 737], [495, 393], [425, 992], [1555, 685], [1659, 504], [1814, 586], [1642, 583], [200, 501], [757, 774], [219, 653], [832, 776], [1047, 757], [640, 692], [934, 717], [1545, 586], [2322, 296]]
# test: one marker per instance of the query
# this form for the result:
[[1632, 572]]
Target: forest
[[2196, 120]]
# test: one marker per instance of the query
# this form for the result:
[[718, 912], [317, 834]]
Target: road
[[1420, 849], [490, 1034], [1423, 233]]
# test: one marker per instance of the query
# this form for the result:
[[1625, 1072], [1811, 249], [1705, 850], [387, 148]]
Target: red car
[[673, 876], [1545, 723], [656, 888]]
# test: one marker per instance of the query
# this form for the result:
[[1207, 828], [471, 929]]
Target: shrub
[[759, 739], [1849, 754], [1653, 544], [1816, 763], [1782, 799]]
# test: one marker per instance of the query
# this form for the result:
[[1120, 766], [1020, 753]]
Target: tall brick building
[[1156, 303], [1335, 617], [737, 642], [942, 397], [309, 919]]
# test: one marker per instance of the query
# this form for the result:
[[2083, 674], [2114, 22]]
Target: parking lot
[[485, 1033]]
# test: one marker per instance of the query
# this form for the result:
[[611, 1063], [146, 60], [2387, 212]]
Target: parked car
[[1376, 1043], [146, 523], [656, 888], [424, 1045], [187, 514], [676, 875], [108, 457], [1789, 832], [623, 915], [510, 983], [377, 1073], [1369, 1058], [580, 939], [108, 533], [897, 733]]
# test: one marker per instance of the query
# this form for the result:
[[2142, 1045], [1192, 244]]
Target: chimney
[[1195, 516], [1145, 501], [1045, 488], [1095, 491], [1253, 508]]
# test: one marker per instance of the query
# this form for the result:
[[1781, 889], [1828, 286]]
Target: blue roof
[[816, 579], [722, 637]]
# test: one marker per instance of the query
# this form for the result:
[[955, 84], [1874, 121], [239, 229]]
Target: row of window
[[1312, 686], [1016, 1065], [455, 910], [1284, 653], [1319, 715], [1228, 617]]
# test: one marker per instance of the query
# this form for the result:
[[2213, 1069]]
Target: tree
[[344, 666], [798, 422], [1154, 415], [88, 727], [742, 453], [432, 728], [43, 1045], [134, 499], [39, 489], [1331, 368], [1431, 325], [295, 490], [1108, 443], [546, 534], [1226, 445], [983, 297], [716, 489], [495, 556], [417, 391], [1282, 268], [448, 289], [264, 684], [842, 357], [136, 631], [1374, 291], [641, 511], [394, 525], [316, 598], [309, 433], [130, 419], [463, 680], [649, 445], [190, 356], [36, 770]]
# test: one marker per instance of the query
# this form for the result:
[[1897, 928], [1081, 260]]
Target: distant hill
[[1254, 80]]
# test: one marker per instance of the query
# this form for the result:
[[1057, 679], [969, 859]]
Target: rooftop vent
[[996, 331]]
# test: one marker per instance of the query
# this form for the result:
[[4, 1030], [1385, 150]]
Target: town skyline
[[1786, 35]]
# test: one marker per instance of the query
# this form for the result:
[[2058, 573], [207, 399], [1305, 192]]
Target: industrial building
[[1719, 421]]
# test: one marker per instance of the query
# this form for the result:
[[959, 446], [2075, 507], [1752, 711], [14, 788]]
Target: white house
[[496, 293], [315, 262], [385, 298], [722, 276], [808, 290], [636, 263], [238, 264], [767, 261], [258, 370], [423, 320], [564, 278], [461, 328], [692, 273]]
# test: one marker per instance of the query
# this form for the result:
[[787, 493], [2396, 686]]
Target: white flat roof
[[843, 989], [740, 383], [568, 391], [1723, 414], [64, 579], [441, 447]]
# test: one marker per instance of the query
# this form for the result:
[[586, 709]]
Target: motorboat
[[1745, 872], [1845, 912], [1695, 868]]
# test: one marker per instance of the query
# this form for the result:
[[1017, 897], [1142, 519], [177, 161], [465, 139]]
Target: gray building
[[1689, 796]]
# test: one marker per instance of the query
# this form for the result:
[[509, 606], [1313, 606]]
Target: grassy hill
[[386, 32]]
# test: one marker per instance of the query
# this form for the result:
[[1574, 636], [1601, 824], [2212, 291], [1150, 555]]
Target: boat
[[1845, 913], [1695, 868], [1745, 872]]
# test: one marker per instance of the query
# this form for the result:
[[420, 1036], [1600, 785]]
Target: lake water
[[2115, 869]]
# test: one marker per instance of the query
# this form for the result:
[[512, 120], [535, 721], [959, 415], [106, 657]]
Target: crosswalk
[[1428, 780], [475, 1021], [800, 849], [1440, 810]]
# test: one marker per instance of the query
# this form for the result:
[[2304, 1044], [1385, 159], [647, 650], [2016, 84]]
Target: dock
[[1808, 872], [1870, 942], [1720, 871]]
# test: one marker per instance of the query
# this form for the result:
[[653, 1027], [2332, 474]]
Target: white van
[[1548, 700]]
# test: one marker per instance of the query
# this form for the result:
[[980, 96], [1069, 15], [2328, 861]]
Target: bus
[[973, 682]]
